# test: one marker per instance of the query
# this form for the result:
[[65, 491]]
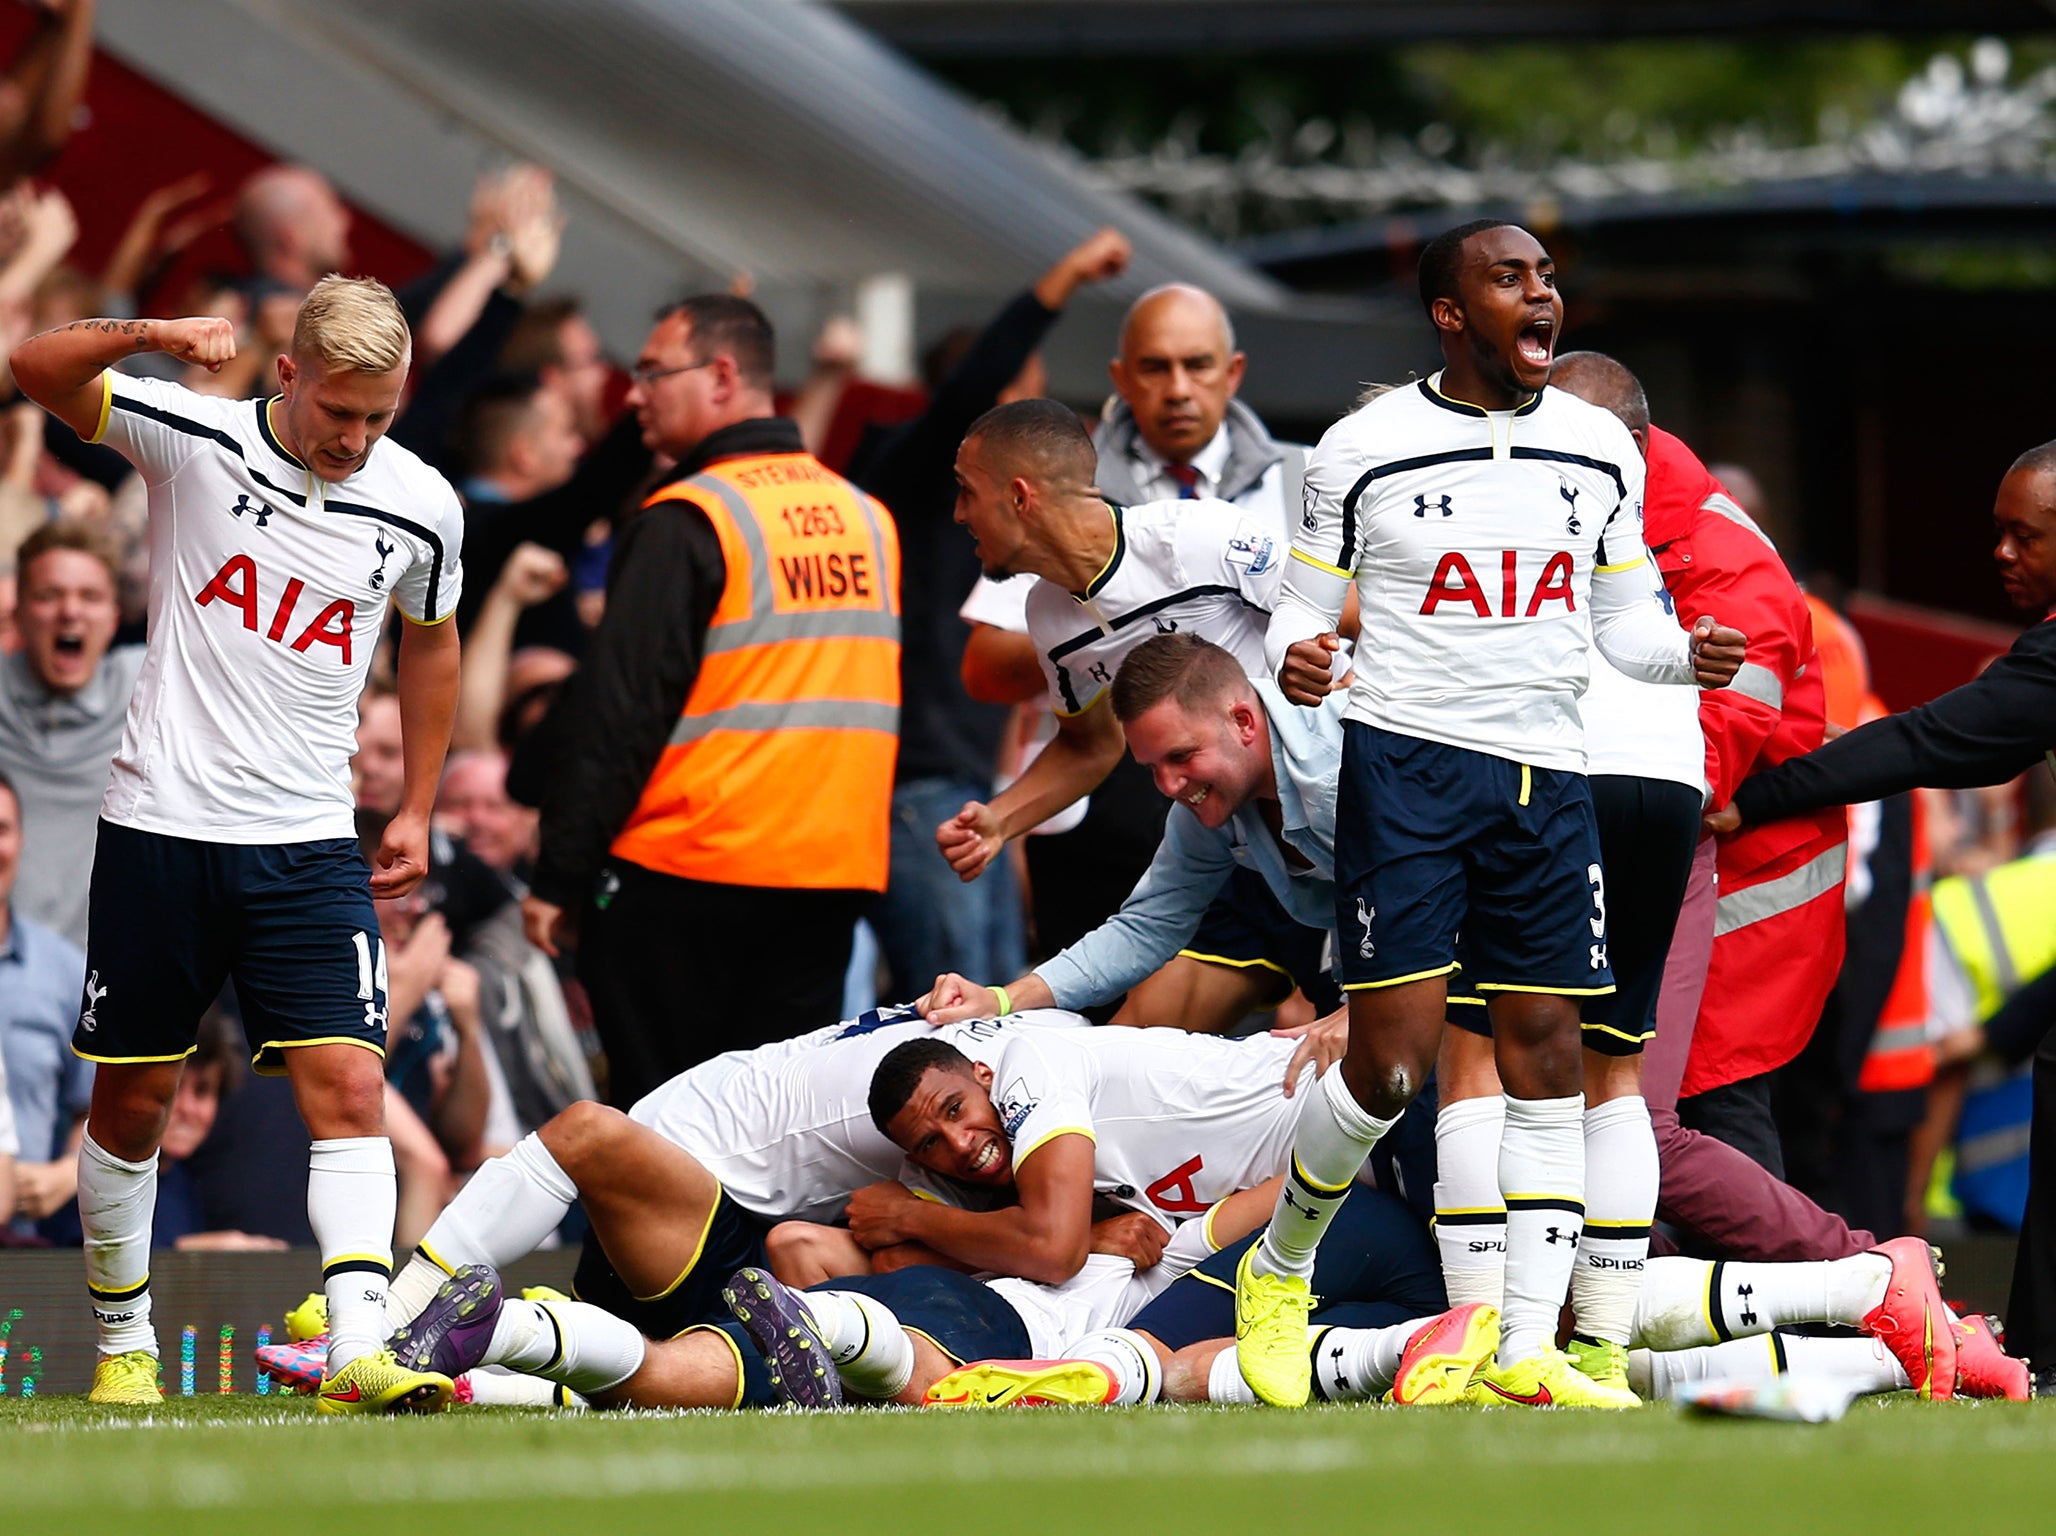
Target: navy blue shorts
[[734, 1238], [1445, 855], [1377, 1260], [170, 919], [1247, 927], [1647, 831]]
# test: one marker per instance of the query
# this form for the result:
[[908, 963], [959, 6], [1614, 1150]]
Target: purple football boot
[[451, 1333], [776, 1319]]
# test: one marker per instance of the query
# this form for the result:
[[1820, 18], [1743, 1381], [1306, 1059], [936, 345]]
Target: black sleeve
[[1985, 732], [618, 711], [2018, 1028], [604, 480], [967, 392], [430, 420], [418, 294]]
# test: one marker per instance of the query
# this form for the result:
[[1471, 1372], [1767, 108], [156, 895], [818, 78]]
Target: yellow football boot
[[129, 1380], [1600, 1361], [1547, 1380], [309, 1320], [1025, 1384], [378, 1383], [1271, 1335], [1440, 1360]]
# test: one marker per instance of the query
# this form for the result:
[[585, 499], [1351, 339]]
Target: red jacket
[[1778, 933]]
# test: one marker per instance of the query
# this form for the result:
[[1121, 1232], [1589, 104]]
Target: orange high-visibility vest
[[1900, 1055], [779, 771]]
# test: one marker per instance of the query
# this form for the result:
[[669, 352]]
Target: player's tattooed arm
[[136, 331], [61, 369]]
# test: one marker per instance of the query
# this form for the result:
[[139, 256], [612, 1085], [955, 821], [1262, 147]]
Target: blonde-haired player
[[280, 531]]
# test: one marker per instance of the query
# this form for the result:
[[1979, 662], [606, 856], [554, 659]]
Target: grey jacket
[[1251, 452]]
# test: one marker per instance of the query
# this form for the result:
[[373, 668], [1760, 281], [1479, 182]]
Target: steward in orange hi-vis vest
[[792, 724]]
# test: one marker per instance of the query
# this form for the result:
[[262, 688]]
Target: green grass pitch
[[247, 1464]]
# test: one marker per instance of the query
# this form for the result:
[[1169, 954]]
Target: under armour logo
[[256, 509], [1099, 670], [1569, 493], [94, 992], [1341, 1376], [385, 551], [1598, 957], [1559, 1235], [1748, 1312], [1366, 950], [1440, 504], [1311, 1213], [1165, 626]]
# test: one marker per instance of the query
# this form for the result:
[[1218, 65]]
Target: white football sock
[[1224, 1383], [1470, 1218], [494, 1386], [1659, 1374], [352, 1197], [872, 1353], [1354, 1365], [1542, 1180], [1335, 1135], [117, 1201], [1138, 1374], [1620, 1203], [572, 1342], [1688, 1302], [504, 1211]]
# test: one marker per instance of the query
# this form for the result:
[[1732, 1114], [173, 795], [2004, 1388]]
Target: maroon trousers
[[1706, 1186]]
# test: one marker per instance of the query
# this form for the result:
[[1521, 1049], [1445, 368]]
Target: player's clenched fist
[[1308, 673], [970, 839], [1717, 652], [875, 1212], [207, 340], [954, 999]]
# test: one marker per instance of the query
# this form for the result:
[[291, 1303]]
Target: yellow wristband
[[1006, 1004]]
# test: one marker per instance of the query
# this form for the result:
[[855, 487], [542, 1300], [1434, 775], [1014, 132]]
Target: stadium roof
[[690, 141], [1001, 28]]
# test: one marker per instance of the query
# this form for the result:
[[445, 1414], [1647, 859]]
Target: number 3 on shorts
[[1597, 879]]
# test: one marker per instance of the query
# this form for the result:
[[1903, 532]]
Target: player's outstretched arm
[[60, 370], [1083, 752], [429, 668], [954, 999]]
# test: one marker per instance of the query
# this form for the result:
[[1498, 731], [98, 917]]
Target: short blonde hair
[[352, 325]]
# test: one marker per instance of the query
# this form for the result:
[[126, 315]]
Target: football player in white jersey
[[281, 531], [1111, 578], [1492, 530]]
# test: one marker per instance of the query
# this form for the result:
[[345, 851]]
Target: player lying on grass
[[942, 1109]]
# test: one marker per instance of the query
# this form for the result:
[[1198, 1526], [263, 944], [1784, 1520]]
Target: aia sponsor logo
[[236, 585]]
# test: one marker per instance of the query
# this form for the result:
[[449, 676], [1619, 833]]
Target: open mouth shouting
[[1535, 343]]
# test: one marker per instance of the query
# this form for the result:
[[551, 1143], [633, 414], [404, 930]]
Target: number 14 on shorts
[[371, 978]]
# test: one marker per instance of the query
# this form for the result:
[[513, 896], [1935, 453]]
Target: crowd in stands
[[515, 399]]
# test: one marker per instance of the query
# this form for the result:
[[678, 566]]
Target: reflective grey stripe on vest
[[1898, 1037], [830, 714], [1816, 877], [1760, 684], [765, 624], [2004, 972]]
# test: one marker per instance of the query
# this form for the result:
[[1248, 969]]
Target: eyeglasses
[[646, 375]]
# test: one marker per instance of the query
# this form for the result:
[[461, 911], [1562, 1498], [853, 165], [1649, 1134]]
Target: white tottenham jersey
[[1206, 567], [1487, 548], [1642, 730], [786, 1127], [268, 591], [1178, 1121]]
